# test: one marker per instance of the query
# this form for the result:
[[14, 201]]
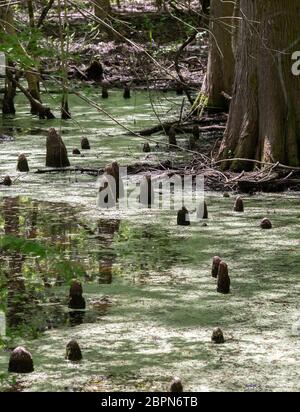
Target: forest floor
[[141, 48]]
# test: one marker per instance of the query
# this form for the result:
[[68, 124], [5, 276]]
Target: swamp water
[[160, 302]]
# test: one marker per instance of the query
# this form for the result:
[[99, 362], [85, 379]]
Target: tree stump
[[56, 152], [73, 351], [183, 217], [22, 165], [20, 361], [223, 279]]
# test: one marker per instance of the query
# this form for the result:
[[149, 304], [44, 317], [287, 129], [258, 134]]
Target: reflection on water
[[42, 248]]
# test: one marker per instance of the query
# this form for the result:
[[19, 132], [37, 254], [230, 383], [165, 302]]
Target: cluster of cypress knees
[[21, 359], [219, 267]]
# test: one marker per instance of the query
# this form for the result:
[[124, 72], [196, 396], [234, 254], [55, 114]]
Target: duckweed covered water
[[161, 303]]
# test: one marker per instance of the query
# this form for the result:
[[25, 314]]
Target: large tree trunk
[[264, 117], [7, 28], [220, 69], [33, 81]]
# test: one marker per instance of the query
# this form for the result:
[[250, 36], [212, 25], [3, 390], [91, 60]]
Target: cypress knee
[[56, 155], [76, 151], [22, 165], [266, 224], [176, 385], [183, 217], [85, 144], [7, 181], [239, 204], [196, 132], [215, 266], [126, 92], [146, 147], [217, 336], [113, 170], [223, 279], [202, 212], [76, 300], [20, 361], [146, 191], [73, 351], [172, 136], [104, 92]]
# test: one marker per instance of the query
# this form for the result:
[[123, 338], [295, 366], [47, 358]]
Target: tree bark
[[33, 88], [264, 117], [220, 69], [7, 28]]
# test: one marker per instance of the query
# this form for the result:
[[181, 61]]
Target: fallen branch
[[44, 112]]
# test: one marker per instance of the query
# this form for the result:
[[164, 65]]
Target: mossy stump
[[56, 152]]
